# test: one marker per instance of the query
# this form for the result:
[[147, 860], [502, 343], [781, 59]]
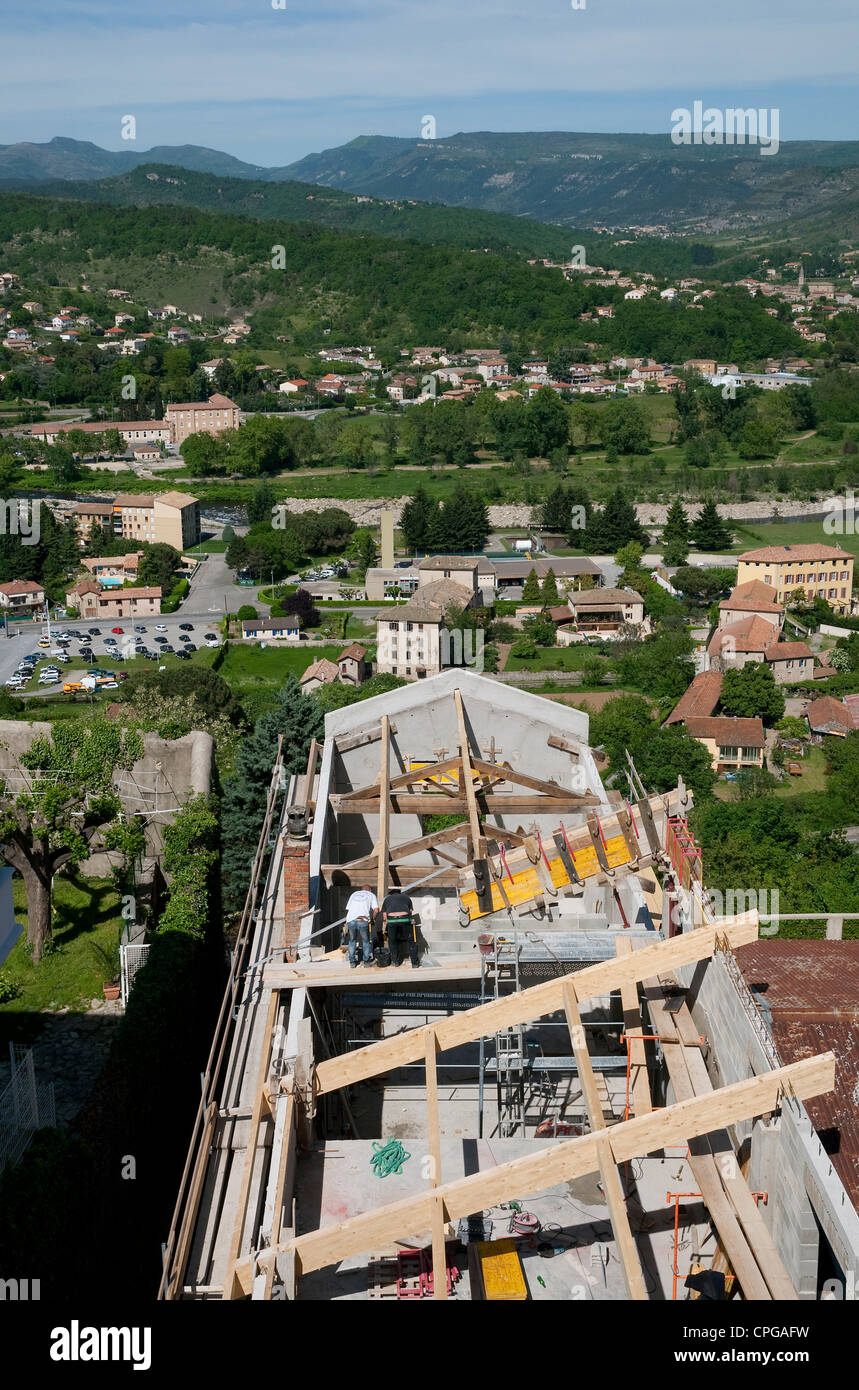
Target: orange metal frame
[[677, 1197]]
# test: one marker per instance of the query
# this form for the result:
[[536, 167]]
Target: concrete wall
[[787, 1160], [168, 774]]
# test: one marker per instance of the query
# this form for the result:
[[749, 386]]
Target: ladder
[[510, 1042]]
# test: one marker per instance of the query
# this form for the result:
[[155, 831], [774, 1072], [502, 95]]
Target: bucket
[[486, 944]]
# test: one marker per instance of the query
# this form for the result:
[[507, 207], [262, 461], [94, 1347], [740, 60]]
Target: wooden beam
[[688, 1072], [403, 779], [439, 1254], [384, 815], [405, 874], [505, 773], [627, 1249], [405, 849], [259, 1110], [436, 803], [564, 745], [311, 770], [345, 742], [639, 1081], [529, 1004], [332, 974], [478, 843], [560, 1162]]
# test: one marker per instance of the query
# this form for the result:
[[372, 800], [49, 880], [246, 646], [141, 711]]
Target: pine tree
[[611, 528], [417, 517], [531, 588], [675, 535], [550, 589], [709, 531]]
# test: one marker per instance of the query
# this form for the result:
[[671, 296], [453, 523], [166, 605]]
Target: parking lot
[[100, 647]]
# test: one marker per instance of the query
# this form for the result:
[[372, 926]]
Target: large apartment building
[[198, 417], [821, 571], [172, 518]]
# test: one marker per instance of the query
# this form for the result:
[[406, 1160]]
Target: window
[[767, 579], [728, 753], [750, 755]]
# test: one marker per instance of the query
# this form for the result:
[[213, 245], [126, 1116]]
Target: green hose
[[388, 1158]]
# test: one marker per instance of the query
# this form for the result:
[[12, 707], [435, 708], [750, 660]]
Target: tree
[[703, 585], [675, 535], [629, 555], [418, 516], [758, 440], [612, 527], [548, 422], [625, 722], [158, 565], [260, 503], [531, 588], [362, 549], [752, 691], [247, 612], [550, 589], [624, 426], [66, 804], [708, 531], [673, 753], [298, 718]]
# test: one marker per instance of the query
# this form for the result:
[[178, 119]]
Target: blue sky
[[270, 85]]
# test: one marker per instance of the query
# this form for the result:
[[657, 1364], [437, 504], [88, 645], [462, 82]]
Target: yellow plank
[[501, 1271], [526, 882]]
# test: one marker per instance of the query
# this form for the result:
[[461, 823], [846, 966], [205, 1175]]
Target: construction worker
[[398, 918], [360, 910]]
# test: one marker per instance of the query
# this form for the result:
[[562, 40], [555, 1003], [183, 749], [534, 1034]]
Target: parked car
[[183, 637], [160, 639], [93, 631], [183, 655], [190, 647], [186, 627], [15, 682], [117, 629], [140, 628], [43, 643], [160, 627], [166, 648]]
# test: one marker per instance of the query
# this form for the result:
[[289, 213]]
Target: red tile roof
[[828, 715], [699, 700], [789, 651], [729, 733], [799, 553], [21, 586], [354, 653], [755, 596], [752, 634]]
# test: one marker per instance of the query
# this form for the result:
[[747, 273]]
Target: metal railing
[[26, 1105]]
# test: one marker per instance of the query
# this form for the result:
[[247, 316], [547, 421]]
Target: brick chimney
[[296, 886]]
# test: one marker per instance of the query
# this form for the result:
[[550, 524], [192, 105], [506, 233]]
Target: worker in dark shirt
[[398, 918]]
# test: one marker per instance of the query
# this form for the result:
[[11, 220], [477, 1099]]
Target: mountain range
[[569, 179]]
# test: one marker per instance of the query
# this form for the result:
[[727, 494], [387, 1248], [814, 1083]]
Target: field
[[758, 534]]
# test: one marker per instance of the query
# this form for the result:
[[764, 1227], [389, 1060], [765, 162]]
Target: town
[[429, 710]]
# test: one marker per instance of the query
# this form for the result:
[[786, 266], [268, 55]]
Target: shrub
[[9, 988]]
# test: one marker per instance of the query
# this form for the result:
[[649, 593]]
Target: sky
[[270, 85]]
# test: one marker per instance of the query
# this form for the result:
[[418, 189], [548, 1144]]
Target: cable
[[388, 1158]]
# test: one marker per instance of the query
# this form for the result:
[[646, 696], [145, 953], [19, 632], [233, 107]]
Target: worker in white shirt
[[360, 910]]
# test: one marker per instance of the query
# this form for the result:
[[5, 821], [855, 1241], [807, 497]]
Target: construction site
[[582, 1092]]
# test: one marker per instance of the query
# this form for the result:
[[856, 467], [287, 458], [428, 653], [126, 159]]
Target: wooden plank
[[403, 779], [405, 849], [559, 1162], [627, 1249], [639, 1082], [345, 742], [405, 874], [435, 803], [334, 975], [478, 844], [311, 770], [286, 1154], [739, 1258], [755, 1230], [259, 1110], [384, 815], [526, 1005], [564, 745], [503, 772], [439, 1254]]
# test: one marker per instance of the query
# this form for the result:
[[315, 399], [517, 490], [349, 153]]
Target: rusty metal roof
[[811, 990]]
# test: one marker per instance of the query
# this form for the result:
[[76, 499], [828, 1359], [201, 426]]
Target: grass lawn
[[573, 658], [758, 534], [246, 667], [813, 777], [87, 914]]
